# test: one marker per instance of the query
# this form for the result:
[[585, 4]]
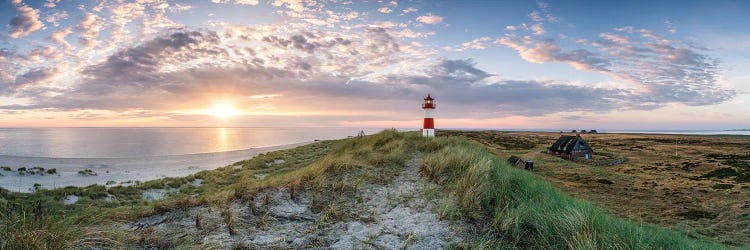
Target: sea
[[146, 142]]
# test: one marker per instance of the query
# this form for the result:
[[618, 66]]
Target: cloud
[[179, 65], [180, 7], [59, 37], [241, 2], [294, 5], [410, 10], [664, 71], [26, 22], [89, 28], [538, 29], [430, 19], [55, 18], [661, 70], [51, 3], [132, 79], [615, 38], [301, 42], [29, 78], [385, 10], [540, 52], [43, 53], [477, 43], [670, 26]]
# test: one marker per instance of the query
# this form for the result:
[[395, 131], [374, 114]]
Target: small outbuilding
[[516, 161], [571, 147]]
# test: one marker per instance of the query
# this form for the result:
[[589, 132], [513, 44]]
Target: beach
[[117, 171]]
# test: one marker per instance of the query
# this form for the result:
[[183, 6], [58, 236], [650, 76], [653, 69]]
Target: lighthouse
[[428, 127]]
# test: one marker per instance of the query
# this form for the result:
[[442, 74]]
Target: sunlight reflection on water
[[139, 142]]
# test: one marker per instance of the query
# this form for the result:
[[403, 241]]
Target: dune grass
[[509, 208], [40, 220], [519, 210]]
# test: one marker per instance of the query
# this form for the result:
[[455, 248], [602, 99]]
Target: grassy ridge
[[520, 210]]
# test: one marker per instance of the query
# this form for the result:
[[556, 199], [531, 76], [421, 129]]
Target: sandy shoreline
[[118, 169]]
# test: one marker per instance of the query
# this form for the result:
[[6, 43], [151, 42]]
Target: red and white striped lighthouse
[[428, 127]]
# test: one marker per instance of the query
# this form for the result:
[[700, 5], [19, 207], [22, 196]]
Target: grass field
[[693, 183], [507, 207]]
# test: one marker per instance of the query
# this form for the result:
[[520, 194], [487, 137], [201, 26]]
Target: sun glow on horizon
[[223, 110]]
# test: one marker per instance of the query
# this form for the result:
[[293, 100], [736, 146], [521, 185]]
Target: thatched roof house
[[571, 147]]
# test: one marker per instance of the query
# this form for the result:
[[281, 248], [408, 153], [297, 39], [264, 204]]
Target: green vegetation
[[510, 208], [723, 186], [86, 172], [520, 210], [493, 138], [740, 167]]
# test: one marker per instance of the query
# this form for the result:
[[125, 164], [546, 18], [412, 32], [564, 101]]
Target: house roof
[[428, 97], [566, 144], [513, 159]]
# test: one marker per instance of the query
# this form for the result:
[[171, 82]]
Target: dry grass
[[660, 181], [517, 209]]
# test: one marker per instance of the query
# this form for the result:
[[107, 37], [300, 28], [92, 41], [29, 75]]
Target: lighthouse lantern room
[[428, 126]]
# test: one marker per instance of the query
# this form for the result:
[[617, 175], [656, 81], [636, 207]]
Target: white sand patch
[[260, 176], [157, 194], [197, 182], [119, 169], [70, 199], [274, 162]]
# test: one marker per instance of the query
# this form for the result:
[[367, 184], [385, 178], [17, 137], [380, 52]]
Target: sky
[[299, 63]]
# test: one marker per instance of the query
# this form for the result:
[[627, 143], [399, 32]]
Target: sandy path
[[118, 169], [393, 216], [403, 217]]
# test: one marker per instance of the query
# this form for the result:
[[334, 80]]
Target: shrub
[[87, 172]]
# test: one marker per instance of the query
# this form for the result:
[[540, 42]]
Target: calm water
[[139, 142], [684, 132]]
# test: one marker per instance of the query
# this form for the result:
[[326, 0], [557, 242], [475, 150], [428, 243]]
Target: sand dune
[[118, 169]]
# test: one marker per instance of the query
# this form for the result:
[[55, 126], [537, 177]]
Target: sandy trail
[[118, 169], [393, 216], [403, 218]]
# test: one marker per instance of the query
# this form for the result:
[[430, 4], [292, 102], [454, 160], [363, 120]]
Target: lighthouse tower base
[[428, 132]]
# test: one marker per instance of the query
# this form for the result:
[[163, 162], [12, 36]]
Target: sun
[[223, 110]]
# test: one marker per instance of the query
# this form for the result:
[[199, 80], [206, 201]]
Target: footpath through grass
[[513, 208]]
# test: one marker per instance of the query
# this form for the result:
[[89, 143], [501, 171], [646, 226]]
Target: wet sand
[[119, 170]]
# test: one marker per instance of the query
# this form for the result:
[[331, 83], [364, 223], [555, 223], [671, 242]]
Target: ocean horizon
[[134, 142]]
